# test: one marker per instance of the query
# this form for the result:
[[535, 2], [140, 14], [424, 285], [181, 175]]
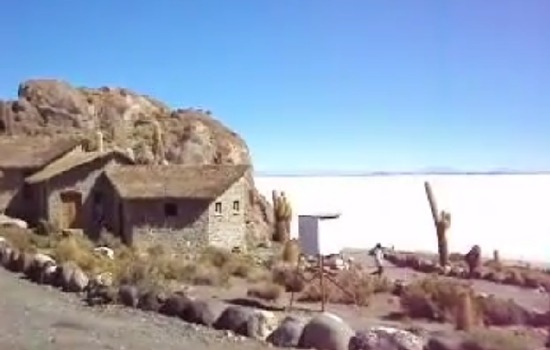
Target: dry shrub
[[500, 312], [434, 298], [497, 340], [356, 288], [287, 276], [231, 264], [291, 252], [267, 290], [26, 240], [80, 251], [208, 276]]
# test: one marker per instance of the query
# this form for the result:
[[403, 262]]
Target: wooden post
[[322, 281]]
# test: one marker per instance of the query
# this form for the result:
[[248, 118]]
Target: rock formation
[[131, 121]]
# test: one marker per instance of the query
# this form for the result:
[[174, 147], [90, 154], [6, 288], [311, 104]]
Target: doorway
[[71, 209]]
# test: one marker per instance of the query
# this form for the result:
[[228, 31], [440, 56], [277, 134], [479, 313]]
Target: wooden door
[[71, 207]]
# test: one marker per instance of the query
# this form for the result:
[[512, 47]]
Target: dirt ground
[[39, 317], [384, 304], [36, 316]]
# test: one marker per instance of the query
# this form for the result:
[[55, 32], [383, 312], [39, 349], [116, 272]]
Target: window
[[236, 206], [218, 208], [170, 209]]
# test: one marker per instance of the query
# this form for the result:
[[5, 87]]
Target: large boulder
[[234, 318], [175, 305], [150, 300], [5, 253], [261, 324], [204, 312], [191, 136], [128, 295], [288, 333], [386, 338], [71, 278], [326, 332]]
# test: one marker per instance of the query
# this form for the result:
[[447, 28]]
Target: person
[[378, 257]]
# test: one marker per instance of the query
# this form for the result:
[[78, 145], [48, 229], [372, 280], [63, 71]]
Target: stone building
[[179, 206], [68, 191], [21, 156]]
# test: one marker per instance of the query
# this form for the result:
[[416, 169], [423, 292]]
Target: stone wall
[[228, 228], [146, 222]]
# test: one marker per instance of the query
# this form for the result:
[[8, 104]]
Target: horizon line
[[330, 173]]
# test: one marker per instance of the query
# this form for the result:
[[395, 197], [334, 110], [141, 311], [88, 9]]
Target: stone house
[[68, 191], [179, 206], [21, 156]]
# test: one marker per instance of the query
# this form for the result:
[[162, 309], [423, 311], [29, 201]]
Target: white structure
[[315, 232]]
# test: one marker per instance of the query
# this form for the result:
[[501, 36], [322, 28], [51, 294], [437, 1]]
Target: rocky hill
[[128, 120]]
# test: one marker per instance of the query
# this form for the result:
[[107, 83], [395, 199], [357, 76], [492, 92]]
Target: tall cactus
[[442, 222], [283, 216]]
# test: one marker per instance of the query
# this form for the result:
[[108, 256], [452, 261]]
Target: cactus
[[442, 222], [466, 314], [496, 257], [291, 252], [473, 260], [283, 216]]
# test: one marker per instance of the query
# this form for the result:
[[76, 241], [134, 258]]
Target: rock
[[205, 312], [71, 278], [261, 324], [103, 279], [52, 107], [288, 333], [13, 260], [78, 282], [386, 338], [105, 252], [234, 318], [175, 305], [24, 263], [327, 332], [150, 300], [40, 262], [101, 295], [5, 255], [48, 274], [444, 343], [128, 295], [64, 274]]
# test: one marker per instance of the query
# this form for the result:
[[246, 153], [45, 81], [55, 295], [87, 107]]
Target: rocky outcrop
[[129, 121]]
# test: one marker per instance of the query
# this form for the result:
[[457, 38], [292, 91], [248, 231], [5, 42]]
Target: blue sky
[[315, 85]]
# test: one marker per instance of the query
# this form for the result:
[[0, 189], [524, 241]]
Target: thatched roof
[[71, 161], [27, 152], [174, 181]]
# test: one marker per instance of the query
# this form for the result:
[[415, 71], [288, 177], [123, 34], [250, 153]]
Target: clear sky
[[315, 84]]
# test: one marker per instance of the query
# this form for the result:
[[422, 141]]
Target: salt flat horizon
[[497, 211]]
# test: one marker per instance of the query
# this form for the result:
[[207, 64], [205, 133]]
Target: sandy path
[[38, 317]]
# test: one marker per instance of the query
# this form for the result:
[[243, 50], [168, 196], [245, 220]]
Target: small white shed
[[316, 231]]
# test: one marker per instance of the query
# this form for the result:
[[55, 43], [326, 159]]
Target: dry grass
[[357, 288], [442, 300], [153, 266], [266, 290]]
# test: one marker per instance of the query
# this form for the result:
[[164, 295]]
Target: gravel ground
[[39, 317]]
